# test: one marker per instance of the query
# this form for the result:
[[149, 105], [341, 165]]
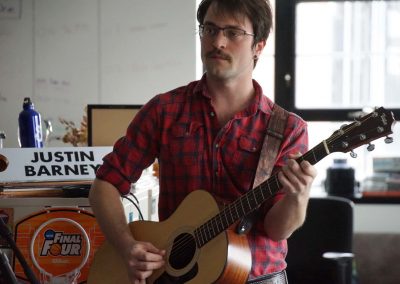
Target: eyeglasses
[[229, 32]]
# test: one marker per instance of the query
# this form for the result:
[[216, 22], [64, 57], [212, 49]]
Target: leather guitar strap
[[272, 142]]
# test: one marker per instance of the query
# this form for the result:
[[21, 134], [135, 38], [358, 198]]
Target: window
[[336, 58]]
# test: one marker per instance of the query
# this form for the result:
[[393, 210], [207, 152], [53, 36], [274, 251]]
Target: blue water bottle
[[30, 127]]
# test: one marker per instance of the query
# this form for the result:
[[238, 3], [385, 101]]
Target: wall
[[376, 218], [65, 54]]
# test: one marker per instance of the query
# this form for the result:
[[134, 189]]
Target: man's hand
[[296, 179], [289, 213], [142, 259]]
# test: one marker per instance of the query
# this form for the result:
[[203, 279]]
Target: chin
[[217, 73]]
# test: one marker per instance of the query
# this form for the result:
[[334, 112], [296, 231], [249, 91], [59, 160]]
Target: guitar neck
[[372, 126], [251, 200]]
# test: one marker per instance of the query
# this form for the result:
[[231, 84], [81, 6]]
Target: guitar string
[[228, 211]]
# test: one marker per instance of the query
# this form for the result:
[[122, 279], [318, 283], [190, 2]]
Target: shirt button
[[216, 173], [212, 114], [216, 145]]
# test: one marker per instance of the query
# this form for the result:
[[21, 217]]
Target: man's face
[[226, 58]]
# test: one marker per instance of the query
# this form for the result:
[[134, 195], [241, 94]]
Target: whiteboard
[[65, 54]]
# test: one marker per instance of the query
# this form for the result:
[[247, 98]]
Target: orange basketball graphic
[[55, 249], [59, 244]]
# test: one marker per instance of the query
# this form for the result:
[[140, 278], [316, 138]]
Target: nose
[[220, 40]]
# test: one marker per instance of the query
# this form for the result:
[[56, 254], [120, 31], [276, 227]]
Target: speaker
[[340, 179]]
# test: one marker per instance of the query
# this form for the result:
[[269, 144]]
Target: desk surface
[[32, 193]]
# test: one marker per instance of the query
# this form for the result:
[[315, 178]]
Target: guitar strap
[[272, 142]]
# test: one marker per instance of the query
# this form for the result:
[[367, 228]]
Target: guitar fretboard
[[249, 201]]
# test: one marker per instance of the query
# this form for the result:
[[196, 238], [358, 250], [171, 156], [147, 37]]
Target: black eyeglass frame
[[217, 29]]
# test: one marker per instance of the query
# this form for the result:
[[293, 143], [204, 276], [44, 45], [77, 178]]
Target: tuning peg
[[353, 154], [370, 147], [388, 140]]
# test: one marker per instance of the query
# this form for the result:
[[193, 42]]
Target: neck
[[230, 97], [232, 90]]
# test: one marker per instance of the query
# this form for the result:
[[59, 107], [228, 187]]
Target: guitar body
[[224, 259]]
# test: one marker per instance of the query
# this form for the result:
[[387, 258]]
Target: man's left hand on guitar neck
[[289, 213]]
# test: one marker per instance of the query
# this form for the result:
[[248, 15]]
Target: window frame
[[285, 58]]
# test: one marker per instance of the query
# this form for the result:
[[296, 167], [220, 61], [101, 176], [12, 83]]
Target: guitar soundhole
[[182, 252]]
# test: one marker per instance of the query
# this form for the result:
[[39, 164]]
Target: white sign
[[52, 164]]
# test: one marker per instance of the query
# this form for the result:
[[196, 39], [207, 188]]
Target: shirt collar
[[261, 102]]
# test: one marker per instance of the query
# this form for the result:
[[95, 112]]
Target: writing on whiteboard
[[9, 9]]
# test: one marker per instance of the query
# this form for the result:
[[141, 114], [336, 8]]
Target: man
[[208, 135]]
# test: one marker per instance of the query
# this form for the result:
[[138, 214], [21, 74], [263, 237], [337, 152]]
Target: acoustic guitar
[[199, 238]]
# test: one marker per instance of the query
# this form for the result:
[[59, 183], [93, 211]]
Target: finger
[[304, 172], [308, 169], [141, 276], [149, 265], [286, 185], [295, 155], [151, 248], [292, 171], [150, 257]]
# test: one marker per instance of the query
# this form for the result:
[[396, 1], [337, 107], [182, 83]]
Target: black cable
[[6, 273], [7, 235], [136, 205], [134, 196]]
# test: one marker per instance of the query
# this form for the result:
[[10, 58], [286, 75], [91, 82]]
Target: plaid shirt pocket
[[186, 143]]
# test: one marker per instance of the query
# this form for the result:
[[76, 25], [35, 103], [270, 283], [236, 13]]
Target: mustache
[[219, 53]]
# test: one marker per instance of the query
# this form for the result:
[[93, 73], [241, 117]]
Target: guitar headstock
[[370, 127]]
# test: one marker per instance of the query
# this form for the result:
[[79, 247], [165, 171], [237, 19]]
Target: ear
[[258, 48]]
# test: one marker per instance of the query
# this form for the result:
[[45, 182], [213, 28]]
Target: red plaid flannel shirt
[[181, 130]]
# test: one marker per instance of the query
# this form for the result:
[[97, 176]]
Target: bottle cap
[[27, 101]]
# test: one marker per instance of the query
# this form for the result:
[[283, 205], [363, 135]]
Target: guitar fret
[[248, 202], [199, 236], [196, 237], [262, 192], [277, 182], [217, 224], [204, 231], [237, 212], [211, 228], [254, 199], [226, 218], [209, 232], [315, 158], [269, 188], [221, 222], [243, 211], [260, 197], [203, 234]]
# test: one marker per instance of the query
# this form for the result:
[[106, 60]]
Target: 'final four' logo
[[61, 244]]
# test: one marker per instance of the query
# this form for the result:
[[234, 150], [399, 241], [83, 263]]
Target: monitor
[[108, 122]]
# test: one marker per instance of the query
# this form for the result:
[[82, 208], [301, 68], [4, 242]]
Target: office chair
[[321, 250]]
